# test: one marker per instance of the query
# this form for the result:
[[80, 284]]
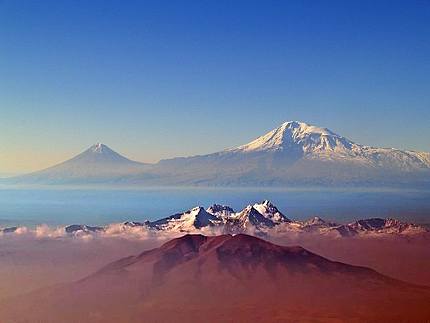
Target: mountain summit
[[99, 148], [98, 163], [294, 133], [297, 153], [314, 142], [100, 153]]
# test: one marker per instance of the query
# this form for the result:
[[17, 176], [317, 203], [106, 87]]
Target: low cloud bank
[[126, 231], [114, 230]]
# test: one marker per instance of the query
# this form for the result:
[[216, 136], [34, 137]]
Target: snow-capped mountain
[[191, 220], [315, 143], [98, 163], [295, 153], [321, 143], [260, 216], [270, 212], [249, 218], [363, 227], [294, 135], [259, 219]]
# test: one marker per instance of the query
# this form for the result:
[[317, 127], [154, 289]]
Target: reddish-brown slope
[[227, 278]]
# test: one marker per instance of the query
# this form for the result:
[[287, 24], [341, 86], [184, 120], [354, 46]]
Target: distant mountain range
[[260, 219], [225, 278], [265, 218], [294, 154]]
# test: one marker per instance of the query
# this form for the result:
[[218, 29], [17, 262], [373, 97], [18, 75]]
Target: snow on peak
[[316, 220], [260, 215], [271, 212], [265, 218], [100, 153], [251, 217], [193, 219], [295, 134], [305, 128], [220, 210], [98, 148], [197, 217], [259, 219]]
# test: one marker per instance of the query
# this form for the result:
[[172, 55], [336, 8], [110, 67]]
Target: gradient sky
[[156, 79]]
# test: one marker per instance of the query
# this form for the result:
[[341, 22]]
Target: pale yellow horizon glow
[[26, 162]]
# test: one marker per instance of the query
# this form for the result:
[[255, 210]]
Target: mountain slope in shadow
[[225, 279]]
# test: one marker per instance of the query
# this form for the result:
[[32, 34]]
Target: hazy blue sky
[[155, 79]]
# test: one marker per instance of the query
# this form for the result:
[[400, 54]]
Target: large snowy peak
[[250, 218], [191, 220], [308, 143], [258, 216], [270, 212], [297, 135]]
